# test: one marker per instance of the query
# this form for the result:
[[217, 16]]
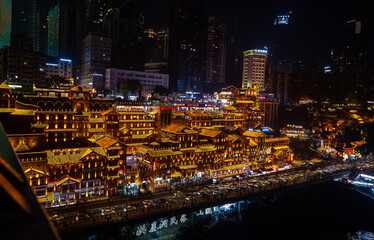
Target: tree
[[160, 91], [55, 81], [127, 87]]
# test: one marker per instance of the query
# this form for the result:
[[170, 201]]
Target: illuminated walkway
[[207, 204]]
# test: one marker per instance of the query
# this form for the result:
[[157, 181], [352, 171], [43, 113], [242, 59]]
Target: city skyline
[[198, 43], [321, 22]]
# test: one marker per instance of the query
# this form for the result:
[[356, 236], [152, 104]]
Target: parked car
[[56, 218], [129, 208], [178, 193], [107, 211]]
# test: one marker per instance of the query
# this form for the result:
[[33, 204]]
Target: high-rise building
[[54, 30], [233, 54], [95, 11], [350, 55], [150, 46], [349, 61], [29, 19], [65, 30], [125, 24], [187, 46], [5, 22], [61, 67], [96, 57], [254, 68], [297, 65], [283, 40], [216, 54], [148, 81], [156, 46], [22, 68], [269, 104], [163, 44]]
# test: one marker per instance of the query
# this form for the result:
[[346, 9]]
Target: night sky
[[319, 23]]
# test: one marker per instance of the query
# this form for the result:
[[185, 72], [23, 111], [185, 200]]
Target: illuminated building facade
[[240, 107], [254, 68], [22, 67], [63, 68], [113, 78], [66, 174], [269, 104], [54, 30], [193, 118], [294, 131], [77, 147]]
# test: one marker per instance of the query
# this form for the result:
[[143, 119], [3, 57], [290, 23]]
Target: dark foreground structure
[[22, 217]]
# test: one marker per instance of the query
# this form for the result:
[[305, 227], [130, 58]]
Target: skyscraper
[[54, 30], [95, 11], [187, 41], [216, 54], [233, 55], [61, 67], [96, 57], [22, 68], [156, 46], [65, 30], [254, 68], [282, 40], [29, 19], [350, 54], [349, 61], [125, 24]]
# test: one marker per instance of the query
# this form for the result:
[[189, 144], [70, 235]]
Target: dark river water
[[330, 211], [322, 211]]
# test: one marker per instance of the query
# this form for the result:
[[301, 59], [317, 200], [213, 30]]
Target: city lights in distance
[[261, 50], [65, 60]]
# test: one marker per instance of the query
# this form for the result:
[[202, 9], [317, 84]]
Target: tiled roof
[[35, 170], [66, 179], [21, 147], [178, 129], [252, 143], [253, 134], [5, 86], [73, 157], [23, 112], [106, 142], [162, 153], [198, 113], [209, 132]]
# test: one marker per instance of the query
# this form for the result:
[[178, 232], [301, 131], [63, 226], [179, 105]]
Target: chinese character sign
[[160, 224]]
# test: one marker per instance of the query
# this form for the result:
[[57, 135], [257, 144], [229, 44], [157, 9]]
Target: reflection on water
[[360, 235], [318, 212], [179, 225]]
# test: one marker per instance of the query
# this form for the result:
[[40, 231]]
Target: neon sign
[[158, 225], [252, 93], [165, 223]]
